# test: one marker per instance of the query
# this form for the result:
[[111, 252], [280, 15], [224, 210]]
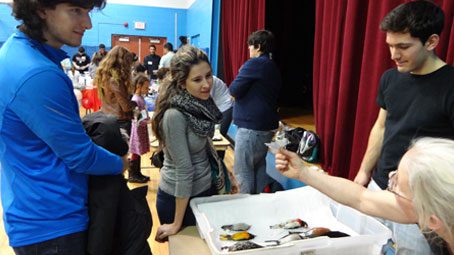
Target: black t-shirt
[[416, 106], [151, 63], [81, 60]]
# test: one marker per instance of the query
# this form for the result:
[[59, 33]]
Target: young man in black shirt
[[151, 62], [81, 61], [416, 99]]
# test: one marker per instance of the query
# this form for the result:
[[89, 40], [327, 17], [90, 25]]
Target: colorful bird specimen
[[240, 246], [237, 227], [290, 224], [240, 236]]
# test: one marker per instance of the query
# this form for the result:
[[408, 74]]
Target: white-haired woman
[[420, 191]]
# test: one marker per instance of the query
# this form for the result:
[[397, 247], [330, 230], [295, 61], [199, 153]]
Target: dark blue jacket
[[256, 89]]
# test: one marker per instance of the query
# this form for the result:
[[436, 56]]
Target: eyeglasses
[[392, 184]]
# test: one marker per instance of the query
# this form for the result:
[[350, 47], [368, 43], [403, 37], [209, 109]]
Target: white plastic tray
[[261, 211]]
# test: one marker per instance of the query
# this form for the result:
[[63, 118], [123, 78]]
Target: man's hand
[[289, 164], [362, 178], [125, 162]]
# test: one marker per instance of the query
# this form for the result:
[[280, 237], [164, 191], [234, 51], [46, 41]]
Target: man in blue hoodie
[[255, 89], [45, 154]]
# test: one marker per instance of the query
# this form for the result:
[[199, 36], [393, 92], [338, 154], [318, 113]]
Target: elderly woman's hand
[[289, 164]]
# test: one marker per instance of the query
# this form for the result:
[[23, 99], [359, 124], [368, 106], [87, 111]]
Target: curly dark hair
[[419, 18], [174, 83], [162, 72], [116, 66], [33, 24]]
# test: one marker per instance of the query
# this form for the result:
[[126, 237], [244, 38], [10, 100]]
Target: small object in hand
[[290, 224], [240, 246], [237, 227], [240, 236]]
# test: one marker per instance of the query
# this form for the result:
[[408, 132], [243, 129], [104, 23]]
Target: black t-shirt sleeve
[[382, 88]]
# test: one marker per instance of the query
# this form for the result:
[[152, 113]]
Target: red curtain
[[239, 18], [350, 55]]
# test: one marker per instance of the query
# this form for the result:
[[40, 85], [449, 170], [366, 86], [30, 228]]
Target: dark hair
[[173, 84], [168, 46], [183, 40], [97, 58], [33, 24], [102, 46], [134, 57], [419, 18], [262, 39], [162, 72], [139, 68], [81, 49], [138, 80], [115, 66], [152, 46]]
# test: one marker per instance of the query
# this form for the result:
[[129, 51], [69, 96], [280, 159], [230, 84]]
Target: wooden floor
[[291, 117]]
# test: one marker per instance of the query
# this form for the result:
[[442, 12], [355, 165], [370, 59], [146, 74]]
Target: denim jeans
[[250, 164], [408, 237], [165, 206], [72, 244]]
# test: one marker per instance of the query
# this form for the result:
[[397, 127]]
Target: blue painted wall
[[159, 22], [199, 17], [7, 22], [215, 35], [110, 20]]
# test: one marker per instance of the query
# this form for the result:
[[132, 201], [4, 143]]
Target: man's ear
[[435, 223], [42, 13], [432, 42]]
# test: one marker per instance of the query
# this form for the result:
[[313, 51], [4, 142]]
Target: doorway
[[140, 44]]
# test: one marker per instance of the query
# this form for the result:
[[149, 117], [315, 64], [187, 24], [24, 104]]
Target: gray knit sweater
[[186, 171]]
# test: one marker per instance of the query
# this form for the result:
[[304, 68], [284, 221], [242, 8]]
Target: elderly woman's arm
[[382, 204]]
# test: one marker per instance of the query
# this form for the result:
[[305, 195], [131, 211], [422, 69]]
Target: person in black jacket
[[151, 62], [120, 219]]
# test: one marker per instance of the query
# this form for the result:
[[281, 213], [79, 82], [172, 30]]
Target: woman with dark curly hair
[[114, 81]]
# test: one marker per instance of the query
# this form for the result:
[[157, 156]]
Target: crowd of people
[[414, 201]]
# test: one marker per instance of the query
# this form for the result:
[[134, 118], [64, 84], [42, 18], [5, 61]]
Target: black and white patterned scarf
[[202, 115]]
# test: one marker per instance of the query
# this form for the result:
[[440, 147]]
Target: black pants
[[71, 244]]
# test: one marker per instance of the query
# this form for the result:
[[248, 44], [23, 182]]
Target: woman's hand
[[166, 230], [290, 164]]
